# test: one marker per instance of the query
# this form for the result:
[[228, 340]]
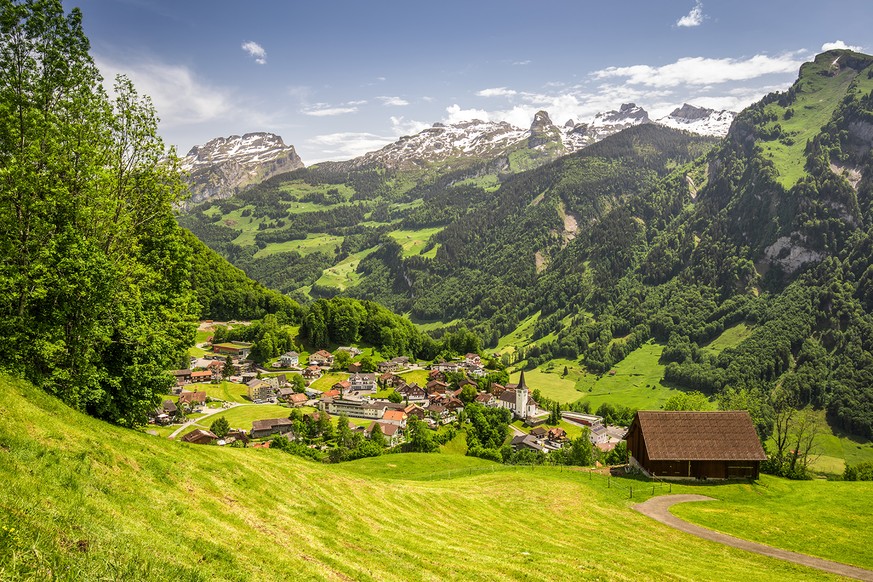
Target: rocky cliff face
[[699, 120], [224, 165]]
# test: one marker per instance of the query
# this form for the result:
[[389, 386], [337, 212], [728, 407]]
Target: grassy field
[[818, 98], [327, 243], [344, 274], [637, 383], [227, 391], [550, 384], [819, 518], [729, 338], [417, 376], [414, 241], [327, 380], [520, 336], [242, 416], [92, 501]]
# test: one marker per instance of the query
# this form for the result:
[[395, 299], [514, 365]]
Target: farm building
[[697, 445]]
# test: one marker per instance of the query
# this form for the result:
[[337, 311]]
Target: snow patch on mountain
[[699, 120]]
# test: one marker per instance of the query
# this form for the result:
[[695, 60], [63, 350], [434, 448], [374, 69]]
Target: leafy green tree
[[580, 451], [687, 401], [297, 382], [395, 397], [343, 432], [468, 393], [95, 298], [377, 436], [341, 361], [227, 370], [420, 436], [220, 427], [368, 366]]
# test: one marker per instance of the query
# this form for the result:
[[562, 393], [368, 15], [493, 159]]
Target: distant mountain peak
[[223, 165]]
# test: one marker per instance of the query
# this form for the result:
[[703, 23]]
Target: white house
[[290, 359], [360, 381]]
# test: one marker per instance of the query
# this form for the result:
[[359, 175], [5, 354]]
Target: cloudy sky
[[337, 78]]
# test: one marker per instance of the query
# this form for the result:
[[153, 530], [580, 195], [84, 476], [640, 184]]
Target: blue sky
[[338, 78]]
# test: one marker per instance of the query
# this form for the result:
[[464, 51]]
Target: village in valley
[[298, 392]]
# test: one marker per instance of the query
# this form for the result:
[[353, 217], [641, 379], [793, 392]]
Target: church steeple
[[521, 397]]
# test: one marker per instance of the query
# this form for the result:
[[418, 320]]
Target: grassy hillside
[[87, 500]]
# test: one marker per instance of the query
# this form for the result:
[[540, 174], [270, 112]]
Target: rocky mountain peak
[[222, 166], [699, 120]]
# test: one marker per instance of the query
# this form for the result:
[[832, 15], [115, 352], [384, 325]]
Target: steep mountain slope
[[699, 120], [218, 169], [83, 500]]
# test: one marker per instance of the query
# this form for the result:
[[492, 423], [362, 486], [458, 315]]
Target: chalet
[[216, 367], [182, 376], [701, 445], [557, 435], [392, 432], [289, 359], [312, 373], [363, 382], [474, 370], [192, 398], [517, 399], [342, 386], [352, 351], [454, 404], [598, 434], [321, 358], [235, 435], [436, 375], [259, 390], [446, 367], [539, 432], [397, 417], [355, 408], [416, 411], [486, 399], [298, 399], [356, 368], [436, 386], [200, 437], [437, 411], [281, 380], [285, 393], [473, 359], [390, 380], [413, 392], [497, 389], [393, 364], [270, 426], [201, 376], [526, 442], [169, 408], [239, 349]]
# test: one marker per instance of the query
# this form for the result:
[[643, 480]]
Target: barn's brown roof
[[700, 436]]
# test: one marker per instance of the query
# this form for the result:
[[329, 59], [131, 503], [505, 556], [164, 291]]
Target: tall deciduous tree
[[95, 302]]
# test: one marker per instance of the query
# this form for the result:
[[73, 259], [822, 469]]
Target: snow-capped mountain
[[221, 167], [471, 140], [699, 120]]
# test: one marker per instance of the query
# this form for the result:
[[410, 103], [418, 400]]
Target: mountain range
[[224, 165]]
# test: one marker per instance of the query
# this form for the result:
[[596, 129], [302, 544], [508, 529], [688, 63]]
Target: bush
[[859, 472]]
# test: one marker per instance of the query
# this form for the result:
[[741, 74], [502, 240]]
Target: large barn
[[697, 445]]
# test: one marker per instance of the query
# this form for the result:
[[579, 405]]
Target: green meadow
[[83, 500]]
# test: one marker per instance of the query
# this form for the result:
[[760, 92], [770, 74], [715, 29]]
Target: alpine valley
[[735, 250]]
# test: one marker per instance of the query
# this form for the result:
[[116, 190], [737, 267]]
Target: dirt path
[[658, 508]]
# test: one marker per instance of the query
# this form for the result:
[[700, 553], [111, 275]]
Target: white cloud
[[693, 18], [321, 110], [255, 51], [702, 71], [394, 101], [496, 92], [347, 145], [829, 46], [458, 115], [521, 63], [179, 96], [402, 126]]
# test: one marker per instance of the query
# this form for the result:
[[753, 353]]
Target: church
[[517, 399]]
